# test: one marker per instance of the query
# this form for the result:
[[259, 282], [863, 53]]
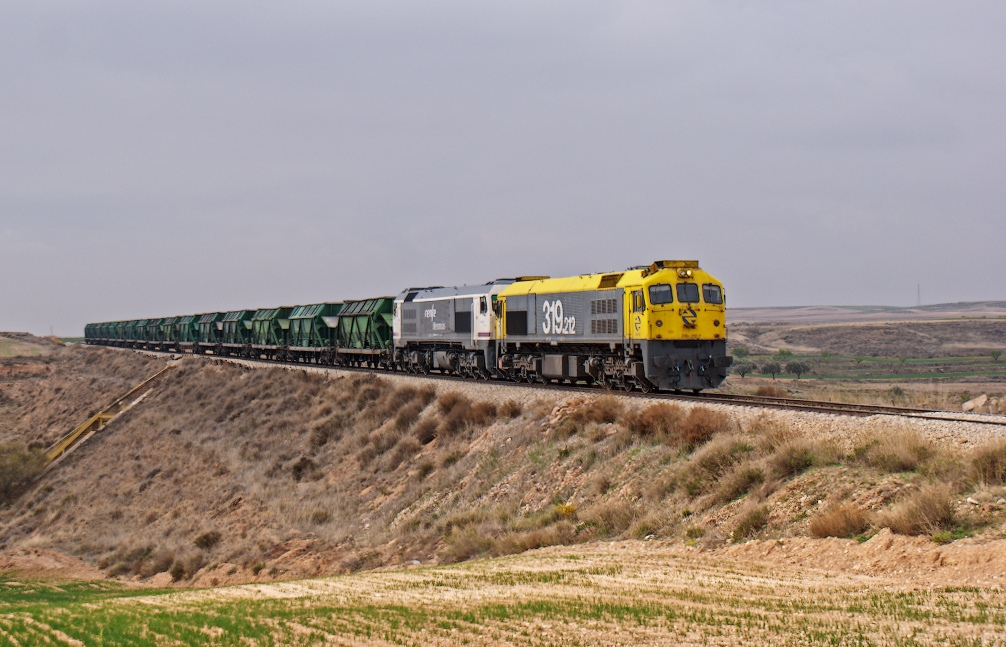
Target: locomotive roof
[[455, 291]]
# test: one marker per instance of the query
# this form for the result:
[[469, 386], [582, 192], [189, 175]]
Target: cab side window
[[637, 301]]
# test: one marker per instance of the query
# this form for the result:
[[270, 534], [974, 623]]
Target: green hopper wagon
[[364, 334]]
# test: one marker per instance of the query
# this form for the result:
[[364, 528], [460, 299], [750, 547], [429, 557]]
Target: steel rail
[[769, 402]]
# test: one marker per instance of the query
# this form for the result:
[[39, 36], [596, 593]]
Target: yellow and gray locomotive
[[657, 327]]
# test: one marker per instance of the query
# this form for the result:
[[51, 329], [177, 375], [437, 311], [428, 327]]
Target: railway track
[[790, 404]]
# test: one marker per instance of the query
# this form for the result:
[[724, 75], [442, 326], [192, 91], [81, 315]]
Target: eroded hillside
[[229, 473]]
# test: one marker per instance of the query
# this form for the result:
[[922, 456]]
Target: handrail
[[100, 419]]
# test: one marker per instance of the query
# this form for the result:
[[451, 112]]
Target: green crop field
[[631, 594]]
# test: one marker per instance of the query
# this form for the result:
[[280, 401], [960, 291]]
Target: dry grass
[[923, 512], [18, 465], [895, 449], [752, 520], [674, 425], [606, 408], [840, 520], [771, 392], [800, 454], [988, 463], [610, 517]]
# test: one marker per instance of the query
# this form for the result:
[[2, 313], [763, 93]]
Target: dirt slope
[[227, 473]]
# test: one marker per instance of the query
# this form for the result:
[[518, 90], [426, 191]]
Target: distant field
[[634, 593]]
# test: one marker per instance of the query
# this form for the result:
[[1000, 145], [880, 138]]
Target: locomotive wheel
[[627, 385], [645, 385]]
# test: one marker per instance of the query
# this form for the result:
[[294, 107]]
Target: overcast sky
[[182, 157]]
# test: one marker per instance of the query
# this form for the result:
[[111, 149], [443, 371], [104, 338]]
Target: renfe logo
[[431, 314]]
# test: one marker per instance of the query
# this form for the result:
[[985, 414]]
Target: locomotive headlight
[[685, 274]]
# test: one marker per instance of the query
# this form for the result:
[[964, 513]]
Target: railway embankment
[[230, 472]]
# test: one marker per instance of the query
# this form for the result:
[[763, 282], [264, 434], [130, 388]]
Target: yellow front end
[[675, 300]]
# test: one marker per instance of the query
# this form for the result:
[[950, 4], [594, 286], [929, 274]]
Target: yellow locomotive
[[662, 326]]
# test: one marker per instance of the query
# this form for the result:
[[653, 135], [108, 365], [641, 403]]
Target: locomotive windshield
[[688, 293], [711, 293], [661, 293]]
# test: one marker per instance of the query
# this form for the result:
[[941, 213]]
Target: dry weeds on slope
[[227, 474]]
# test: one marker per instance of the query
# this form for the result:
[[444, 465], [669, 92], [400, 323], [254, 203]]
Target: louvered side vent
[[409, 314], [409, 328], [603, 306], [603, 326]]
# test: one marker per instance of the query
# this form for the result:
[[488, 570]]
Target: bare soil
[[913, 339]]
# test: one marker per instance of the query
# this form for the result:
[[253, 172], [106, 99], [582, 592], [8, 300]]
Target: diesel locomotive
[[661, 326]]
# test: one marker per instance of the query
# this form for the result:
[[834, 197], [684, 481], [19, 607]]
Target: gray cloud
[[201, 156]]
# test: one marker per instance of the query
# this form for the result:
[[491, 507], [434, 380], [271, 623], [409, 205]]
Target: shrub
[[177, 571], [659, 420], [610, 517], [771, 432], [510, 409], [319, 517], [18, 465], [562, 532], [797, 455], [841, 520], [208, 540], [408, 415], [988, 463], [751, 522], [739, 482], [302, 468], [404, 450], [424, 469], [425, 431], [602, 409], [771, 391], [482, 413], [895, 451], [450, 401], [924, 512], [700, 425], [466, 543]]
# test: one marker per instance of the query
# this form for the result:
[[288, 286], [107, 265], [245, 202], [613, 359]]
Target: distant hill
[[853, 314]]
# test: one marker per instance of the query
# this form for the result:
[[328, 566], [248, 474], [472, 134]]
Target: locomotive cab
[[676, 322]]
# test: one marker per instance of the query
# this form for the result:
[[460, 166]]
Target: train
[[660, 326]]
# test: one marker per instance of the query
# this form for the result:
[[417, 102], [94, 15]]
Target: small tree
[[785, 352], [996, 354], [858, 359], [743, 368], [741, 352], [798, 368], [772, 368]]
